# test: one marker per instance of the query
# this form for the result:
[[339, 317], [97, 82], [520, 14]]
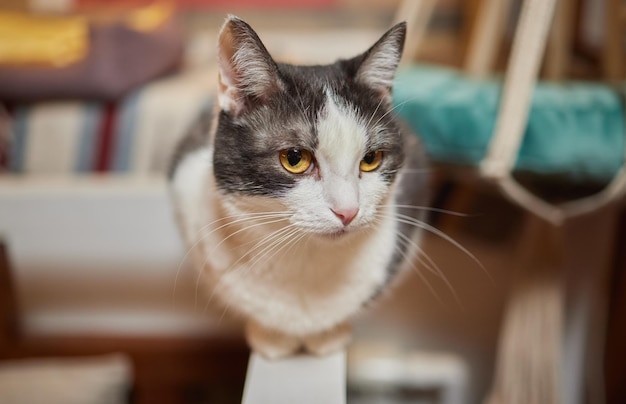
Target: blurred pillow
[[135, 135], [575, 130], [81, 57]]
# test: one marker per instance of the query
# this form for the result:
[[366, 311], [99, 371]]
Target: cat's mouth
[[330, 234], [333, 232], [337, 234], [340, 233]]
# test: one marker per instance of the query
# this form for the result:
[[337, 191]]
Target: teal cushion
[[574, 130]]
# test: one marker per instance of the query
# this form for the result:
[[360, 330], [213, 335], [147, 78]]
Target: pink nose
[[346, 215]]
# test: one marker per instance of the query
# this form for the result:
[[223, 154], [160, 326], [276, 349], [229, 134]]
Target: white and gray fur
[[297, 270]]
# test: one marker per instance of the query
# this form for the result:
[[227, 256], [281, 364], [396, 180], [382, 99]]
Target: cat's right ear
[[247, 72]]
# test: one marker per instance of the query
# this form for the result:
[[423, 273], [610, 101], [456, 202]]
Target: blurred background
[[98, 303]]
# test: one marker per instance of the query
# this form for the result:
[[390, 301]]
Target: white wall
[[98, 254]]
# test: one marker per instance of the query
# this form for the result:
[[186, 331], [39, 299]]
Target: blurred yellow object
[[150, 17], [27, 40], [31, 40]]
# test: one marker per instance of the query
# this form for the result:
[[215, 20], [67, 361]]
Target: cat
[[300, 194]]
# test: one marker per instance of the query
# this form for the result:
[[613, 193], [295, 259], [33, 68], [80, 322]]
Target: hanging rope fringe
[[529, 355]]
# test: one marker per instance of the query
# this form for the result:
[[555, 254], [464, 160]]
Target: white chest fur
[[310, 285]]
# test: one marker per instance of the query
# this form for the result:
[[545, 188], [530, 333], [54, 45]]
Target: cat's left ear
[[380, 62]]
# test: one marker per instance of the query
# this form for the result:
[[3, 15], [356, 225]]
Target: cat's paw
[[270, 344], [330, 341]]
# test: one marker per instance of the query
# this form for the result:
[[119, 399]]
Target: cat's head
[[317, 142]]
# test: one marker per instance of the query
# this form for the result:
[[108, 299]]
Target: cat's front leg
[[271, 344], [329, 341]]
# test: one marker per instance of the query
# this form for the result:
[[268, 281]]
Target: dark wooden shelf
[[167, 370]]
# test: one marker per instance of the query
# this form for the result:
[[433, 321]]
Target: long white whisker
[[279, 244], [430, 265], [418, 223], [427, 209], [241, 218], [263, 240], [245, 229], [417, 170], [271, 240], [267, 239], [224, 240], [374, 113], [289, 244], [302, 109], [421, 275], [394, 108]]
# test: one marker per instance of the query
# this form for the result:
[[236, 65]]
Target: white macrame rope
[[529, 44], [528, 47]]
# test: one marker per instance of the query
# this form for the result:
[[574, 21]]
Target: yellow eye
[[295, 160], [371, 161]]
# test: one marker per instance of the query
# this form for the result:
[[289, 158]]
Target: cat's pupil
[[294, 156], [369, 157]]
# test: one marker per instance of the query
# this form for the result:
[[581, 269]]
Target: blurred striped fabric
[[135, 135]]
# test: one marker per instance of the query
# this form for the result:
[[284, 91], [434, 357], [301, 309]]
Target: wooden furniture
[[615, 349], [167, 370], [613, 57], [550, 348]]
